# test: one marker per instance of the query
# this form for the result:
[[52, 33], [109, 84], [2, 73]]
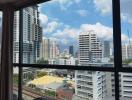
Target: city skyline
[[81, 14], [63, 20], [67, 52]]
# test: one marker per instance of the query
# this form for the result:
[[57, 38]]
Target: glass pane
[[126, 86], [68, 33], [0, 33], [55, 84], [15, 83], [126, 30]]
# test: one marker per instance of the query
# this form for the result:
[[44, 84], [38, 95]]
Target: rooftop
[[45, 80]]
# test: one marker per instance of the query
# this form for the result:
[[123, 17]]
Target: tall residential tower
[[90, 48], [32, 34], [90, 85]]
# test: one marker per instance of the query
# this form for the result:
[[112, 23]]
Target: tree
[[127, 61], [41, 74], [30, 76], [50, 93], [42, 61], [15, 79]]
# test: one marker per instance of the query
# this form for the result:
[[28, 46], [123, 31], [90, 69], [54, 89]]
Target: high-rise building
[[45, 48], [32, 33], [71, 50], [125, 85], [106, 49], [90, 85], [124, 52], [90, 48], [127, 51], [54, 49], [49, 49]]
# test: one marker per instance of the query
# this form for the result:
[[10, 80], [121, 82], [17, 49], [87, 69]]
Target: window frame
[[116, 41]]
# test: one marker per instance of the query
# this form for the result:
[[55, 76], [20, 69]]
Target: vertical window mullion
[[117, 45], [20, 55], [6, 69]]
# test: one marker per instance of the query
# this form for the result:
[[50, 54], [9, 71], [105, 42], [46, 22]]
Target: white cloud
[[68, 35], [51, 27], [124, 38], [102, 31], [103, 6], [77, 1], [82, 12], [64, 41], [48, 26], [40, 6], [43, 19], [64, 4]]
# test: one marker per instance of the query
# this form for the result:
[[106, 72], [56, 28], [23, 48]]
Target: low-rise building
[[65, 92]]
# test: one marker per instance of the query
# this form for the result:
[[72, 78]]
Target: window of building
[[74, 38]]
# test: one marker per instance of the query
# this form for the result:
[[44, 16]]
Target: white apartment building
[[127, 51], [90, 48], [90, 85], [125, 84], [49, 49], [54, 49], [124, 52], [45, 48], [62, 61]]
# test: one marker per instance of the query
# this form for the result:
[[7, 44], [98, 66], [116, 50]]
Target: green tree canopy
[[42, 61]]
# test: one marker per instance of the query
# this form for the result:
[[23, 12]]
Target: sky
[[64, 20]]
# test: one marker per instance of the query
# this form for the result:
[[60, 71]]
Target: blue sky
[[63, 20], [75, 14]]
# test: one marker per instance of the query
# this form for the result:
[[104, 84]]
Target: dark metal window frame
[[117, 55], [116, 40]]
